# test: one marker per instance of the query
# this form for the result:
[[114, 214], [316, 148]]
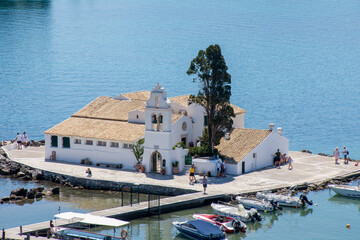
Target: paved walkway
[[307, 168]]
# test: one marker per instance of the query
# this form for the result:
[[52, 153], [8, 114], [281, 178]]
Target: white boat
[[237, 212], [260, 205], [286, 201], [83, 219], [226, 224], [346, 190]]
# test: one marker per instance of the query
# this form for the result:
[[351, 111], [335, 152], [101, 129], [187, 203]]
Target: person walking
[[290, 161], [192, 175], [204, 182], [346, 155], [25, 140], [336, 155], [223, 168], [18, 141]]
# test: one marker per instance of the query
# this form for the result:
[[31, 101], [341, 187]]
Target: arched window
[[160, 123], [153, 122]]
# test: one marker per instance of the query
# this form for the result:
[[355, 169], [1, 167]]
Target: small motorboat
[[286, 201], [198, 229], [346, 190], [260, 205], [226, 224], [237, 212]]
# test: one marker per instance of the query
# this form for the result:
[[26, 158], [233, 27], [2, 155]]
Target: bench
[[109, 165]]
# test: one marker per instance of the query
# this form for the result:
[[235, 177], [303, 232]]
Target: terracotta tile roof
[[109, 108], [99, 129], [176, 117], [141, 95], [242, 142], [182, 100], [237, 110]]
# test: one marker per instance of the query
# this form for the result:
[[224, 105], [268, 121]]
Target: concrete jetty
[[308, 168]]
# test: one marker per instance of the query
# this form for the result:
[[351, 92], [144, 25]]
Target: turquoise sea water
[[327, 220], [294, 63]]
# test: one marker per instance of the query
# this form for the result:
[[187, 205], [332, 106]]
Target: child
[[290, 161], [88, 171], [204, 182]]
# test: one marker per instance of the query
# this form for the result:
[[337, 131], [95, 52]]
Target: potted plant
[[142, 168], [175, 168], [138, 150], [163, 171]]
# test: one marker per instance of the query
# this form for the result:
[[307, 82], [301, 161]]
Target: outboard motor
[[255, 215], [305, 200], [236, 225], [275, 205]]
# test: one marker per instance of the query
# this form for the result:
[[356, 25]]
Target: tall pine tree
[[210, 70]]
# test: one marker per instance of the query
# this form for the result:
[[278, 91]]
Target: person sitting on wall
[[277, 158], [88, 171]]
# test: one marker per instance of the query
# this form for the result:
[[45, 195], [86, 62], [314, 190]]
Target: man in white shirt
[[18, 141]]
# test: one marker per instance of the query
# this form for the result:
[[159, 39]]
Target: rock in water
[[55, 190], [20, 192], [30, 195]]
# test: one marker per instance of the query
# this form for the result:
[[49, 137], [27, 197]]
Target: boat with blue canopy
[[198, 229]]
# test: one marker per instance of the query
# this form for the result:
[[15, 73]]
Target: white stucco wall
[[238, 121], [179, 155], [178, 132], [196, 113], [263, 154], [176, 108], [96, 154], [205, 165], [136, 116]]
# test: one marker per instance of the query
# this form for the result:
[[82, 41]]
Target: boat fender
[[124, 234]]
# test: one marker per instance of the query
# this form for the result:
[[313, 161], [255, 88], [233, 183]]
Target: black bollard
[[122, 197], [20, 230], [3, 234], [131, 196]]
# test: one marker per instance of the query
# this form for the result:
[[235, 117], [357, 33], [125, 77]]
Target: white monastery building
[[105, 130]]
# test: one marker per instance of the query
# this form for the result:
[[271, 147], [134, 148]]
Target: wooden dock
[[124, 213]]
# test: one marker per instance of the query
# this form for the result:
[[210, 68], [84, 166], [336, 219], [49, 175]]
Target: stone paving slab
[[308, 168]]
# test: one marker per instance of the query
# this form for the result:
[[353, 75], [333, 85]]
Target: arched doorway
[[156, 162]]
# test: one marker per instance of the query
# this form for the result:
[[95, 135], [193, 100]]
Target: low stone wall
[[24, 172], [89, 183]]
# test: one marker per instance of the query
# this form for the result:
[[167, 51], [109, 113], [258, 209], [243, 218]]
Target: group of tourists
[[345, 153], [282, 159], [22, 140]]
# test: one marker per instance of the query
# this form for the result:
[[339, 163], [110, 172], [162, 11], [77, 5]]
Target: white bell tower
[[158, 131]]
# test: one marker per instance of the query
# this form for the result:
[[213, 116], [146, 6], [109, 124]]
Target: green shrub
[[182, 145]]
